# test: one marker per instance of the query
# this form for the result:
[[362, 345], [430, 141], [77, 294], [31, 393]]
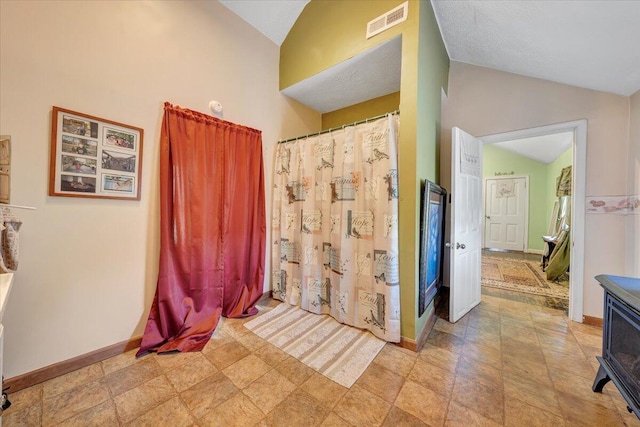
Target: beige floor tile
[[24, 398], [208, 394], [481, 352], [530, 391], [439, 357], [334, 420], [460, 416], [382, 382], [396, 359], [447, 341], [294, 370], [517, 412], [171, 413], [187, 375], [567, 383], [238, 411], [23, 415], [487, 401], [412, 399], [478, 371], [235, 328], [489, 337], [517, 367], [63, 406], [578, 412], [218, 339], [133, 375], [270, 354], [251, 341], [120, 361], [433, 377], [362, 408], [323, 390], [64, 383], [269, 391], [458, 329], [246, 370], [227, 354], [525, 350], [172, 360], [103, 414], [133, 403], [298, 409], [397, 417], [572, 364]]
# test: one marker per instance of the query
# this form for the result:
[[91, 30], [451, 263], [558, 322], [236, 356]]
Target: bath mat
[[339, 352], [521, 276]]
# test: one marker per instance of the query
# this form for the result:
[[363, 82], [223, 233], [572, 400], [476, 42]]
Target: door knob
[[488, 217], [460, 246]]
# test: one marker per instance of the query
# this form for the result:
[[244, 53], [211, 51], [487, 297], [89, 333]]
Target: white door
[[505, 211], [466, 224]]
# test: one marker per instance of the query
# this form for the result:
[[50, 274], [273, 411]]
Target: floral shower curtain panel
[[335, 226], [212, 229]]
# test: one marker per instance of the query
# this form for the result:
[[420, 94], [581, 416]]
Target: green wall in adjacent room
[[496, 160], [553, 171], [330, 32]]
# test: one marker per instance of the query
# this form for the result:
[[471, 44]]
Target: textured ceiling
[[590, 44], [273, 18], [368, 75], [543, 149]]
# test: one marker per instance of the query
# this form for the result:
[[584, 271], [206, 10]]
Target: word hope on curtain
[[335, 225]]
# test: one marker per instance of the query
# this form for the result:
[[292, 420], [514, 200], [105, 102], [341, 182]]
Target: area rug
[[521, 276], [337, 351]]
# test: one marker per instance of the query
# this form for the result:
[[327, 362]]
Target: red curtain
[[213, 229]]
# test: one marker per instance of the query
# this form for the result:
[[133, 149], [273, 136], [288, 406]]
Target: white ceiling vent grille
[[388, 20]]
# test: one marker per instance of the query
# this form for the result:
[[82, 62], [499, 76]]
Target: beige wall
[[88, 267], [633, 221], [482, 101]]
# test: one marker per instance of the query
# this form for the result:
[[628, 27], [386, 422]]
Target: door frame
[[525, 237], [578, 200]]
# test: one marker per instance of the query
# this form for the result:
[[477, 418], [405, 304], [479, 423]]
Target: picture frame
[[94, 157], [432, 228]]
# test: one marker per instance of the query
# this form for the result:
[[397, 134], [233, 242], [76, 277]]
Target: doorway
[[506, 208], [578, 196]]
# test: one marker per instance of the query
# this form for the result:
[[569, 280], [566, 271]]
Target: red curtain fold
[[212, 229]]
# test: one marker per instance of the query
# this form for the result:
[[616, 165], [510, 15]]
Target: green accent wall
[[371, 108], [330, 32], [553, 171], [542, 184], [496, 160]]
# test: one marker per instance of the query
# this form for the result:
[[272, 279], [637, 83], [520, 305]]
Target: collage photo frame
[[94, 157]]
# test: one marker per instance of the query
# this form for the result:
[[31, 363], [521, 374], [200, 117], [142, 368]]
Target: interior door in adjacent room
[[505, 213], [465, 242]]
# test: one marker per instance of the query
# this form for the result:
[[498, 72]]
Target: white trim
[[578, 205], [525, 237]]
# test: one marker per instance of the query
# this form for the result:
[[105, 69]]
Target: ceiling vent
[[388, 20]]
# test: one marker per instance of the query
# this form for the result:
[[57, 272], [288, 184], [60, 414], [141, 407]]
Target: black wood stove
[[620, 361]]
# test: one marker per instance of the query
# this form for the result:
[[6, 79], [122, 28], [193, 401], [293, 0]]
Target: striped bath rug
[[339, 352]]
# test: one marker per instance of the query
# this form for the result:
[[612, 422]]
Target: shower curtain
[[335, 226], [212, 229]]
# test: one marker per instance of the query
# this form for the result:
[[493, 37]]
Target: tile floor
[[506, 363]]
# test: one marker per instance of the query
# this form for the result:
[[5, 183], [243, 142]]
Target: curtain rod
[[6, 205], [340, 127]]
